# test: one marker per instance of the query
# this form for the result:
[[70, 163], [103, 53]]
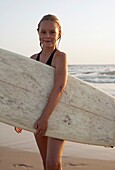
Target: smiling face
[[48, 33]]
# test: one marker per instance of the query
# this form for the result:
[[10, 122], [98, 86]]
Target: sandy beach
[[13, 159], [18, 152]]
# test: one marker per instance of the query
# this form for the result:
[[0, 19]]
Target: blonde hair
[[50, 17]]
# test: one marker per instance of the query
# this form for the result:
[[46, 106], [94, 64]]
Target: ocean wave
[[98, 72], [94, 73], [108, 73], [97, 79], [102, 76]]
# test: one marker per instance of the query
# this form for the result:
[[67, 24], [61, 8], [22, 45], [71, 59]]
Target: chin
[[48, 45]]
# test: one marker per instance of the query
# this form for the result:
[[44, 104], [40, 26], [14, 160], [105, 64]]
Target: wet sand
[[18, 152]]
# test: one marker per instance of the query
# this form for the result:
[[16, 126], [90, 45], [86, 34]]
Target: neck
[[48, 50]]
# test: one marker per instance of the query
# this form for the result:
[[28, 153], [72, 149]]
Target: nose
[[48, 35]]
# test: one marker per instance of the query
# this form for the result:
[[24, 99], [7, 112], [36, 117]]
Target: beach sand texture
[[19, 152], [12, 159]]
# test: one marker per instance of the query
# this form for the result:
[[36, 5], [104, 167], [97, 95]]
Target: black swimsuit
[[49, 59]]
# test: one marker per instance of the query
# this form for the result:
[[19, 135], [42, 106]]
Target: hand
[[18, 130], [41, 126]]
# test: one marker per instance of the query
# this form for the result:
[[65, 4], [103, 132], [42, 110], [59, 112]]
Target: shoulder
[[60, 58], [60, 53], [34, 56]]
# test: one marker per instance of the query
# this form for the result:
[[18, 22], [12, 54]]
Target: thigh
[[42, 145], [54, 148]]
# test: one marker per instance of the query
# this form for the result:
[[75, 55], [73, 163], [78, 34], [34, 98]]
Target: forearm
[[54, 98]]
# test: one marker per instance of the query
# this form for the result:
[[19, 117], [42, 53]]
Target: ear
[[59, 36]]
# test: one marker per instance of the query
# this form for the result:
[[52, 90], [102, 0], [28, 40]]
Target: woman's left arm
[[60, 80]]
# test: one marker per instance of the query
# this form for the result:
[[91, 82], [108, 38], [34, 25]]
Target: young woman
[[49, 31]]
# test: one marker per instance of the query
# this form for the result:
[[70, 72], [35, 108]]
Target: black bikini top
[[49, 59]]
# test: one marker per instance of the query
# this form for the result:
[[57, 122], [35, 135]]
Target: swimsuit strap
[[50, 58], [49, 61], [38, 56]]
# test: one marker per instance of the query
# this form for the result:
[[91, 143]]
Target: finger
[[42, 133], [38, 131], [18, 130], [36, 125]]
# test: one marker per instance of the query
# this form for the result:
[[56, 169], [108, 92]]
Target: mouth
[[47, 41]]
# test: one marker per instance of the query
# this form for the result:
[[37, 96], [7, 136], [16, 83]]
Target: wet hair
[[51, 17]]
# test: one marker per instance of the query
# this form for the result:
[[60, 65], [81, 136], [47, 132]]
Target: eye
[[52, 32], [43, 31]]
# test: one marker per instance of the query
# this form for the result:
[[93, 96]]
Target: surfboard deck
[[84, 114]]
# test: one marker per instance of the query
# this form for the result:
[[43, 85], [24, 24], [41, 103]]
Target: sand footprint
[[22, 165], [78, 165]]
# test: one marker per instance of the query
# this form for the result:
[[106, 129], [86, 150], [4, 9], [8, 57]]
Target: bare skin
[[50, 149]]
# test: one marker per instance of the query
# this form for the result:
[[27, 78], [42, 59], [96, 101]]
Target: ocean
[[101, 76]]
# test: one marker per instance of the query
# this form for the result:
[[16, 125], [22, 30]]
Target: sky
[[88, 28]]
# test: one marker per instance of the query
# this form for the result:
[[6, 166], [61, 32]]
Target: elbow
[[61, 88]]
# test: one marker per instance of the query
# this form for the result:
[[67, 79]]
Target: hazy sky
[[88, 28]]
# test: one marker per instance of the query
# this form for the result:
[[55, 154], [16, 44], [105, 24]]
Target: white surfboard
[[84, 114]]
